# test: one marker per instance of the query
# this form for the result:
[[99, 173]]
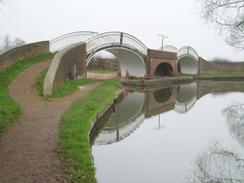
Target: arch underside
[[187, 65], [129, 60], [164, 69]]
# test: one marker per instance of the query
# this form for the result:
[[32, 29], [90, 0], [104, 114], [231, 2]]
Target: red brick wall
[[156, 57], [26, 51], [205, 66]]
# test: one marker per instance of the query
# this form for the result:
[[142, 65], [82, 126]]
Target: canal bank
[[157, 82], [75, 127], [169, 81]]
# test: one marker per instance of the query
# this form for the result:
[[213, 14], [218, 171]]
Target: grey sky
[[34, 20]]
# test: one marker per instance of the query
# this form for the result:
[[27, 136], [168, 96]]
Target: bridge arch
[[129, 51], [129, 60], [187, 60], [164, 69]]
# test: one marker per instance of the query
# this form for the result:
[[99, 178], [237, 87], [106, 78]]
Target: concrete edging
[[69, 63], [102, 116]]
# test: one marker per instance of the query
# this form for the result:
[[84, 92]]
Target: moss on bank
[[9, 109], [75, 126]]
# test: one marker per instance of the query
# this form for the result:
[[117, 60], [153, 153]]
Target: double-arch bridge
[[130, 52], [76, 50]]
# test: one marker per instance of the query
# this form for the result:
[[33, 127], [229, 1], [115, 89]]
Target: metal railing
[[187, 51], [115, 39], [65, 40]]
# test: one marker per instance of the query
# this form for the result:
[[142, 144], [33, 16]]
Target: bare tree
[[235, 121], [217, 165], [229, 16], [18, 42], [6, 43]]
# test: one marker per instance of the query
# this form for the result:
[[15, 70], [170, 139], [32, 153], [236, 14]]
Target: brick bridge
[[76, 50]]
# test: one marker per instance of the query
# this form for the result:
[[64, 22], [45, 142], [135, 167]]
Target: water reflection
[[136, 106], [218, 164], [235, 121], [129, 149], [162, 95], [128, 116], [186, 97]]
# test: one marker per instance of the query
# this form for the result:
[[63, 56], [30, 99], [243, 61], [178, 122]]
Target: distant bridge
[[129, 51], [76, 50]]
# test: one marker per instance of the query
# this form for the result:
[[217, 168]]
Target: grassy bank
[[70, 86], [65, 88], [39, 81], [221, 74], [74, 129], [9, 109]]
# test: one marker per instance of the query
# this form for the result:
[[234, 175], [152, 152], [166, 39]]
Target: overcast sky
[[36, 20]]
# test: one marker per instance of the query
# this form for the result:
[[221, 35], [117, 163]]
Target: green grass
[[74, 129], [69, 86], [221, 74], [9, 109], [65, 88], [40, 80]]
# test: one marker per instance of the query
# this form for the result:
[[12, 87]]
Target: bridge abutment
[[157, 57]]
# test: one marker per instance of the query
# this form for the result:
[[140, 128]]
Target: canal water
[[184, 134]]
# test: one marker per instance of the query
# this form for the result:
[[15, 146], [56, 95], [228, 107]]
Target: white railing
[[109, 39], [68, 39], [187, 51]]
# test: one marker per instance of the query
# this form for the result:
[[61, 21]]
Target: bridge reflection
[[136, 106]]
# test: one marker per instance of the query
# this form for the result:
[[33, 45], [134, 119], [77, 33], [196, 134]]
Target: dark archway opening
[[164, 69]]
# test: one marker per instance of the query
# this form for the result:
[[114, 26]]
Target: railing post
[[121, 38]]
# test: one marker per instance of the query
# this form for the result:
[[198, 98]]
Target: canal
[[187, 133]]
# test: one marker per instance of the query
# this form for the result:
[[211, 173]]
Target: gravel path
[[29, 148]]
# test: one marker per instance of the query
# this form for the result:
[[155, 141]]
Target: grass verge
[[9, 109], [221, 74], [69, 86], [74, 129], [65, 88], [40, 81]]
